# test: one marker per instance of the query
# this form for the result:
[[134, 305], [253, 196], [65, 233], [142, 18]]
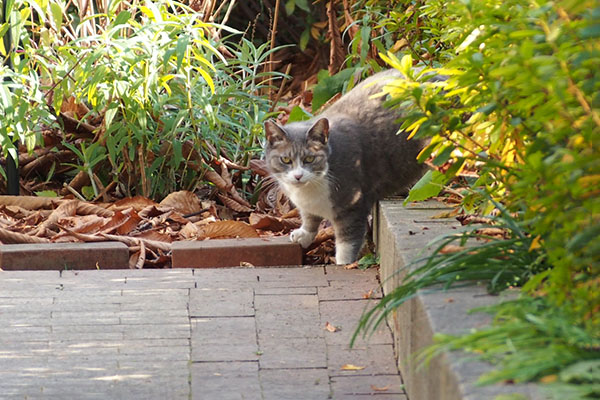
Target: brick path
[[216, 334]]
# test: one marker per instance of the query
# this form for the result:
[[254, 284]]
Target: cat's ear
[[273, 132], [319, 132]]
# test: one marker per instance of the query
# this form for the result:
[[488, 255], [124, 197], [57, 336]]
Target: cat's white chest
[[312, 198]]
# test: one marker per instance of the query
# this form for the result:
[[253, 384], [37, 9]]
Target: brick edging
[[401, 234], [258, 252]]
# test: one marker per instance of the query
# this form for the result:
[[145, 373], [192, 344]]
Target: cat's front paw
[[303, 237]]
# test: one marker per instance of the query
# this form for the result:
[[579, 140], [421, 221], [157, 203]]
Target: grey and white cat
[[338, 164]]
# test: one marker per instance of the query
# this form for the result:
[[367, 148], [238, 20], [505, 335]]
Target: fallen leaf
[[380, 389], [353, 265], [331, 328], [451, 248], [228, 229], [234, 204], [246, 264], [495, 232], [368, 294], [138, 203], [351, 367], [446, 214], [184, 202]]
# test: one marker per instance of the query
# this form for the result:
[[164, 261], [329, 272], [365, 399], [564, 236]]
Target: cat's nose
[[298, 176]]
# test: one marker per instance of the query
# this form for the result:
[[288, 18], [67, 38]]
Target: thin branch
[[273, 35]]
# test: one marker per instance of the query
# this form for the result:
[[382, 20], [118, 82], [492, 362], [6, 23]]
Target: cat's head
[[297, 154]]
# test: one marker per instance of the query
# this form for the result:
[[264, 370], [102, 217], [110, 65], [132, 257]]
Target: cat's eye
[[309, 159], [286, 160]]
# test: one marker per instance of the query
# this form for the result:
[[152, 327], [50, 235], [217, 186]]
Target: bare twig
[[74, 192], [226, 17], [273, 35], [280, 91]]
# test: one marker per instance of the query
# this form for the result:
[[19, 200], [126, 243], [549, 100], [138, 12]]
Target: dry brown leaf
[[84, 223], [446, 214], [368, 294], [190, 231], [7, 237], [234, 204], [259, 167], [138, 203], [353, 265], [246, 264], [154, 236], [494, 232], [152, 211], [271, 223], [66, 209], [380, 389], [351, 367], [130, 241], [331, 328], [184, 202], [451, 248], [30, 202], [88, 209], [228, 229], [122, 222], [73, 108]]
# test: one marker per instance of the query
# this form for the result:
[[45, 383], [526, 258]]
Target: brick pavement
[[239, 333]]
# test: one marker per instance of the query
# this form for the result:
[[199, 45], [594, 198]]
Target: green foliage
[[502, 262], [329, 86], [367, 261], [544, 343], [519, 101], [154, 76]]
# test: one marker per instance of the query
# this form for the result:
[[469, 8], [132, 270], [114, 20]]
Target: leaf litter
[[149, 228]]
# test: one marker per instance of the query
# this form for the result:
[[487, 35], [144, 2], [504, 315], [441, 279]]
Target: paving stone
[[225, 381], [292, 353], [288, 316], [377, 359], [344, 290], [306, 384], [226, 278], [82, 336], [346, 314], [149, 344], [260, 291], [139, 331], [339, 273], [60, 256], [291, 277], [224, 339], [221, 303], [111, 340], [235, 252], [381, 387]]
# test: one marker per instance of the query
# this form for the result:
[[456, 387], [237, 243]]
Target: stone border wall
[[402, 234]]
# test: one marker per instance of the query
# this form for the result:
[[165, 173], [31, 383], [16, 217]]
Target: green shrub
[[521, 103], [153, 75]]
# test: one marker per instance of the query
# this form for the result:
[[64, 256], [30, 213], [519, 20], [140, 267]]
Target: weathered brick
[[234, 252], [60, 256]]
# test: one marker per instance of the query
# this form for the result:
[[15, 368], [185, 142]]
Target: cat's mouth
[[297, 182]]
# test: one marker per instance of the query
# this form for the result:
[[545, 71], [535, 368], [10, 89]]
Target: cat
[[336, 165]]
